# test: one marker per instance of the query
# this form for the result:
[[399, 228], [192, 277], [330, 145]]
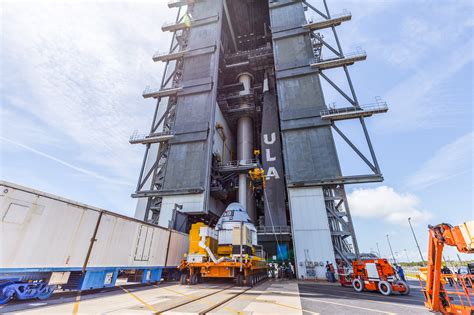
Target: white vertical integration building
[[242, 90]]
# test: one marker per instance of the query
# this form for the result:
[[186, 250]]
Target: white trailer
[[47, 241]]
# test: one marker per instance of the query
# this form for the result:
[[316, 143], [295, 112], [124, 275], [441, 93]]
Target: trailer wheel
[[194, 279], [45, 292], [385, 288], [183, 278], [239, 279], [358, 285], [249, 281], [6, 293], [405, 285]]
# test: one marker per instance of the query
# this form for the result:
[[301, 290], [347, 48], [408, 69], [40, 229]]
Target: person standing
[[270, 270], [292, 271], [332, 273], [401, 273], [446, 271], [328, 272]]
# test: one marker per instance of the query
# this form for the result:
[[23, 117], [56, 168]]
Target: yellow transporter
[[229, 251]]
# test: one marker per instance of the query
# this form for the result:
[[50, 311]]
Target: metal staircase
[[151, 177], [340, 222]]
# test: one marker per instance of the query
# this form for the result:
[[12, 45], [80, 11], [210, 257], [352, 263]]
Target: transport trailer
[[51, 243], [249, 272], [228, 251]]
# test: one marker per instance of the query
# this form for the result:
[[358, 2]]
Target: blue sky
[[73, 73]]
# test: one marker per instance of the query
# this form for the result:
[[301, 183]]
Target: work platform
[[335, 20], [181, 25], [149, 92], [151, 138], [346, 60], [354, 112], [218, 297], [165, 56], [179, 3], [237, 166]]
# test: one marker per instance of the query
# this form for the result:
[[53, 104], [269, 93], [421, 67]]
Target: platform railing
[[185, 20], [375, 107], [282, 229], [168, 55], [344, 12], [457, 291], [237, 163], [359, 52], [260, 252]]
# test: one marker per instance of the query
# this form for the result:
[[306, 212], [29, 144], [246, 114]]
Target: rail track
[[209, 302]]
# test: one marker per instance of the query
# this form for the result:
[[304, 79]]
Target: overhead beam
[[356, 150], [231, 28]]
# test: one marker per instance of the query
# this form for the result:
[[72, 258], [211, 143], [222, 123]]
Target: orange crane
[[437, 297]]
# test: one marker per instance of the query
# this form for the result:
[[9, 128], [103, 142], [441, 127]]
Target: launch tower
[[242, 90]]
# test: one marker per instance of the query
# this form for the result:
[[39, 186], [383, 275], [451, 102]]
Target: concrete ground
[[270, 297], [328, 298]]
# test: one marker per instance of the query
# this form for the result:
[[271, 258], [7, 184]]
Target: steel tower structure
[[241, 90]]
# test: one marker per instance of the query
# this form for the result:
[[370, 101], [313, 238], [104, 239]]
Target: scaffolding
[[151, 176], [337, 207]]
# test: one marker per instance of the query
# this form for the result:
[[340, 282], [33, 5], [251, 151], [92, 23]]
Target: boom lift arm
[[460, 236]]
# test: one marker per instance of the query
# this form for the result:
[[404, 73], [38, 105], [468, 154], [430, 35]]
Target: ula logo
[[271, 172]]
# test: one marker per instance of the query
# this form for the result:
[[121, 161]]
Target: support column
[[244, 152], [245, 148]]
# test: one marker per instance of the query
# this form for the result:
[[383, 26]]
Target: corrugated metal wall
[[191, 148], [308, 146], [311, 234]]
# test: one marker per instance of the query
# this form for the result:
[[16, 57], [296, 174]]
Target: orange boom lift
[[438, 298]]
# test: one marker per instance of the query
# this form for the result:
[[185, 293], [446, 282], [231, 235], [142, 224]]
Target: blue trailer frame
[[31, 283]]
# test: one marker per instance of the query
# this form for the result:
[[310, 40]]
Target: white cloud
[[31, 128], [421, 101], [416, 42], [78, 69], [449, 161], [424, 60], [64, 163], [385, 203]]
